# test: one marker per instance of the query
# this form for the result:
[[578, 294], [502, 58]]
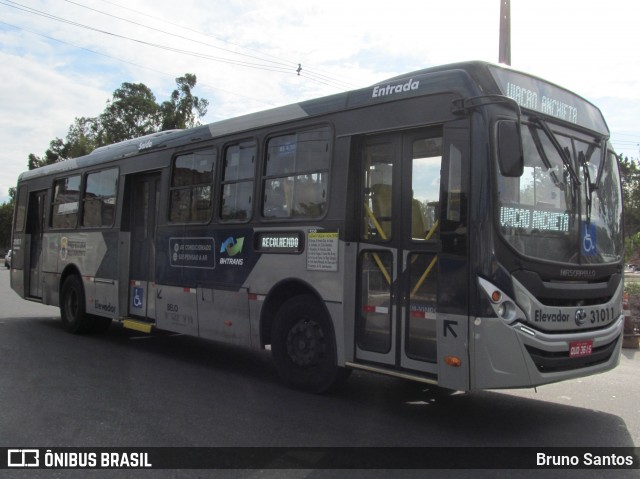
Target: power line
[[129, 62], [265, 65], [142, 42], [288, 65], [313, 70]]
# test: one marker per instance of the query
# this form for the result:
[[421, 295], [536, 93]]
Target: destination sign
[[534, 219], [279, 242], [536, 94]]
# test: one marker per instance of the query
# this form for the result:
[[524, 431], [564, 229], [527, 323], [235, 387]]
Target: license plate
[[578, 349]]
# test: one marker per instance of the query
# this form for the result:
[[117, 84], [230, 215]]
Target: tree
[[184, 109], [630, 176], [132, 112], [6, 217]]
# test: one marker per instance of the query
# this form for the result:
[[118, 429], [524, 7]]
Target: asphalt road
[[125, 389]]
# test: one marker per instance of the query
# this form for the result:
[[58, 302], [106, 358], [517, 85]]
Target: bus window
[[296, 174], [191, 185], [237, 182], [21, 209], [374, 320], [421, 330], [99, 200], [378, 188], [425, 188], [66, 195]]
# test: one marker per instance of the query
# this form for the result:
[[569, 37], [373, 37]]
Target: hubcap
[[306, 343]]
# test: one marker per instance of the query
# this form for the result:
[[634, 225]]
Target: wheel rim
[[306, 343]]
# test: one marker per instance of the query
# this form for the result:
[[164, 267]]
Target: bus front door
[[143, 216], [400, 325]]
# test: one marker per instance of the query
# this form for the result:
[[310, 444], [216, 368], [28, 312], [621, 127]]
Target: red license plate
[[578, 349]]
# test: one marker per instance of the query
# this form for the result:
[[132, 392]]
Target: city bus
[[458, 225]]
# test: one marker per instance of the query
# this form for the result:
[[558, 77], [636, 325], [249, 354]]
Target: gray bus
[[459, 225]]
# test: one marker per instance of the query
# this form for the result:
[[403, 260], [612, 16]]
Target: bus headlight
[[504, 307]]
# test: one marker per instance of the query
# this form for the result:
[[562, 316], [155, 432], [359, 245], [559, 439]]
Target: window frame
[[296, 175], [53, 214], [250, 179], [191, 187], [84, 199]]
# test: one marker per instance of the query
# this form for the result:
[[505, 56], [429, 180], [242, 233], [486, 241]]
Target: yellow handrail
[[373, 218], [432, 230], [424, 276], [376, 257]]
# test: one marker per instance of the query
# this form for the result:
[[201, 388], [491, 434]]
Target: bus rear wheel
[[73, 310], [304, 347], [72, 305]]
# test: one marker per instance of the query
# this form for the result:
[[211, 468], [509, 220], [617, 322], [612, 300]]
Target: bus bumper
[[517, 356]]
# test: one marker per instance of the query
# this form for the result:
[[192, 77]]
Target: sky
[[62, 59]]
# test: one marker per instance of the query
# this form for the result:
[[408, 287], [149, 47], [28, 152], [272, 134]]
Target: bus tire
[[72, 306], [304, 348]]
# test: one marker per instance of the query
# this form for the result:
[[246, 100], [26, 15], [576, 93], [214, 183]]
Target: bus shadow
[[167, 348], [488, 418], [382, 411]]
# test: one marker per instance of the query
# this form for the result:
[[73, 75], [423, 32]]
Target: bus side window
[[296, 175], [100, 198], [21, 209], [237, 182], [66, 195], [191, 187]]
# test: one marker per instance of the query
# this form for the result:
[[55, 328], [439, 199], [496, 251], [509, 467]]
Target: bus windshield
[[567, 210]]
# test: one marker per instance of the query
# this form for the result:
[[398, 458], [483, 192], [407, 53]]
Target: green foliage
[[132, 112], [630, 175], [632, 288], [6, 217], [631, 247], [184, 109]]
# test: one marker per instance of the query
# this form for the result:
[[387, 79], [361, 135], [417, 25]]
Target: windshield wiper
[[589, 187], [563, 154]]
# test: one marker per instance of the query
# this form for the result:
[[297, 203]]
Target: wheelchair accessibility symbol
[[588, 239], [138, 295]]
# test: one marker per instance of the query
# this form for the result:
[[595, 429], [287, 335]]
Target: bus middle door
[[143, 214]]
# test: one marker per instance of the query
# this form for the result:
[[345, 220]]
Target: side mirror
[[510, 156]]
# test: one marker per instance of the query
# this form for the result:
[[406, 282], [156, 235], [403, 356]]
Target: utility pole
[[505, 32]]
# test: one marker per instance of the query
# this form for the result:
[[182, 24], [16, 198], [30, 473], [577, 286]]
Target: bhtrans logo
[[232, 247], [387, 90]]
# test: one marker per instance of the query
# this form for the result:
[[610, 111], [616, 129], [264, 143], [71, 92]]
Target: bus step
[[137, 325], [391, 372]]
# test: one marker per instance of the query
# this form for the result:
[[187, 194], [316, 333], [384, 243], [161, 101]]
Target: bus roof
[[472, 78]]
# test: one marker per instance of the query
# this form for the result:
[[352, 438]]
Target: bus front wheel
[[304, 347]]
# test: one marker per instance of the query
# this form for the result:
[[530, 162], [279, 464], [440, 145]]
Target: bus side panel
[[224, 316], [95, 256], [177, 309], [17, 264]]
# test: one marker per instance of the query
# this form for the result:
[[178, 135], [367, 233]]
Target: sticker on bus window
[[588, 239]]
